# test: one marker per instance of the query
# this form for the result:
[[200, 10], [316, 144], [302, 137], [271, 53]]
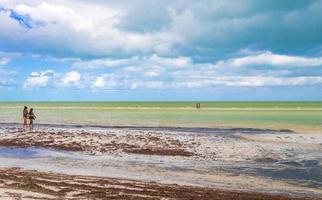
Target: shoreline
[[168, 128]]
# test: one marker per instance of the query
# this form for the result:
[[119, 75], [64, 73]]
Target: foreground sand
[[22, 184], [183, 163]]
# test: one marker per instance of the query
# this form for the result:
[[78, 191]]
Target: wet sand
[[92, 142], [210, 163], [25, 184]]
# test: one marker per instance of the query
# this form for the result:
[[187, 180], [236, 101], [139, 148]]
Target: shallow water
[[18, 152], [277, 115]]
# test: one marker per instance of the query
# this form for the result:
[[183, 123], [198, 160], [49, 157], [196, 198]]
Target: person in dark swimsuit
[[32, 117], [25, 117]]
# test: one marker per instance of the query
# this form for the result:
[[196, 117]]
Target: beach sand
[[22, 184], [139, 162]]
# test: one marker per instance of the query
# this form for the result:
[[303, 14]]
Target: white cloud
[[71, 78], [270, 59], [101, 28], [147, 85], [228, 81], [4, 60], [153, 60], [7, 57], [99, 82], [79, 28], [7, 78], [155, 72], [3, 83], [105, 62], [54, 13], [151, 74], [170, 62], [154, 85], [50, 78], [105, 81], [251, 81], [38, 79]]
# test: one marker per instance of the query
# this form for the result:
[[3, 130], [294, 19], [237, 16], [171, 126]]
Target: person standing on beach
[[32, 117], [25, 117]]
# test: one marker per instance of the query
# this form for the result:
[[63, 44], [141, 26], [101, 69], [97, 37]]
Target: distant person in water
[[198, 105], [32, 117], [25, 117]]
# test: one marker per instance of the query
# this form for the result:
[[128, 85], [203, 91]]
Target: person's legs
[[31, 125], [24, 123]]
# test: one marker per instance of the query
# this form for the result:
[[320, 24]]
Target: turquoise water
[[280, 115], [268, 104]]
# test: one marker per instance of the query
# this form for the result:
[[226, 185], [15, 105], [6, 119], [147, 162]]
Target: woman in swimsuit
[[25, 117], [32, 117]]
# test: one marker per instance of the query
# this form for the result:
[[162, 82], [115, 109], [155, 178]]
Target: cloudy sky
[[160, 50]]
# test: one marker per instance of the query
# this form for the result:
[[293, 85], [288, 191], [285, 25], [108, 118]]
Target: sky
[[161, 50]]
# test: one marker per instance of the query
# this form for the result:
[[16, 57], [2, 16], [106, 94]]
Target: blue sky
[[134, 50]]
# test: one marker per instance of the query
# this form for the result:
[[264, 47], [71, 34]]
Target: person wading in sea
[[32, 117], [198, 105], [25, 117]]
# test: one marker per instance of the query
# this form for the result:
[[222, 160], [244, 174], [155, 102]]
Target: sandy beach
[[21, 184], [85, 161]]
